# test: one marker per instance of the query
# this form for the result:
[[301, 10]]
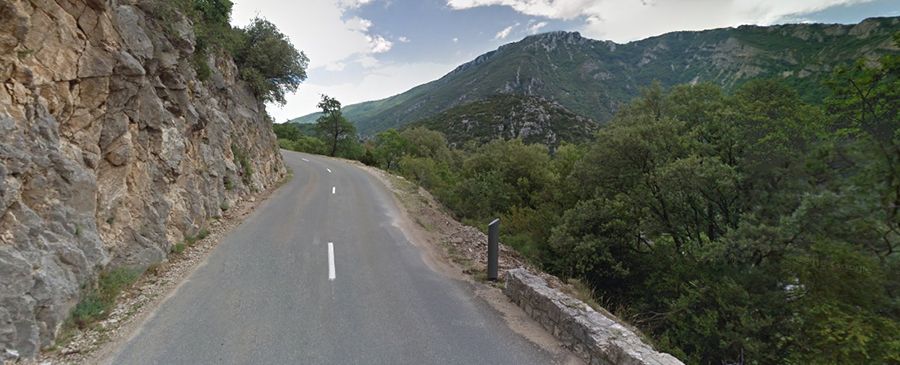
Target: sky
[[362, 50]]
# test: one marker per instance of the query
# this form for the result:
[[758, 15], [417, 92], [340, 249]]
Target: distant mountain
[[532, 119], [593, 78]]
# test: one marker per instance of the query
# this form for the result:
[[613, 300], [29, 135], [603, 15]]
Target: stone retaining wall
[[591, 335]]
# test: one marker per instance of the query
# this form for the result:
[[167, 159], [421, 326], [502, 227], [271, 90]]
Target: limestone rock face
[[111, 151]]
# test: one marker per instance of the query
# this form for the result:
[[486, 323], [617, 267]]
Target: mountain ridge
[[594, 78]]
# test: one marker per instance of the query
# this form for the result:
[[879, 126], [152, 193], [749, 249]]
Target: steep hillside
[[532, 119], [112, 150], [593, 78]]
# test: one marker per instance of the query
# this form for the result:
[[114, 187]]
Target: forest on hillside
[[747, 227]]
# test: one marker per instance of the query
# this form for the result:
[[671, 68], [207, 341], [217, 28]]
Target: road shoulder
[[459, 252]]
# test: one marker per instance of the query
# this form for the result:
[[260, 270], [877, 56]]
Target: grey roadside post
[[493, 249]]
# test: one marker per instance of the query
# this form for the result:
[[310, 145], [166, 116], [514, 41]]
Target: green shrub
[[203, 233], [243, 160], [89, 310], [201, 66], [286, 144], [229, 185], [96, 304], [368, 158], [305, 144], [287, 131], [178, 248], [268, 61]]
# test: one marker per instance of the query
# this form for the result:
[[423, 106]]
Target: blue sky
[[363, 50]]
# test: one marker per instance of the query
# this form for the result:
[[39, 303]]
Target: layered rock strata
[[112, 150]]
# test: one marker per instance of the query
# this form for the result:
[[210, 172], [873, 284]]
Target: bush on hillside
[[268, 61]]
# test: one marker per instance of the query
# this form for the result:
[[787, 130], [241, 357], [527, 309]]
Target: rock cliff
[[111, 151], [532, 119]]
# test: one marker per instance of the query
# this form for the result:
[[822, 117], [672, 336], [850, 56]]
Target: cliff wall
[[112, 150]]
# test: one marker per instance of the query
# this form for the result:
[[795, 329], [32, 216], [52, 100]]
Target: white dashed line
[[330, 261], [304, 159], [333, 189], [329, 170]]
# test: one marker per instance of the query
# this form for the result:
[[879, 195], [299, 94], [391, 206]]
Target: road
[[269, 293]]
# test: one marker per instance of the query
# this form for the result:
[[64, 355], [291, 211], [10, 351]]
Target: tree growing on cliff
[[332, 125], [268, 61]]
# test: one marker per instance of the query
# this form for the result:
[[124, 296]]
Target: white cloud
[[318, 28], [352, 4], [626, 20], [337, 66], [358, 24], [380, 44], [505, 32], [536, 27], [403, 39], [367, 61], [560, 9], [455, 40]]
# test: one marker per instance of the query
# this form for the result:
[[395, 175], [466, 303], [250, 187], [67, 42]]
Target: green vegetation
[[332, 126], [287, 131], [229, 185], [267, 60], [595, 78], [532, 119], [332, 135], [745, 227], [243, 160], [178, 248], [97, 302], [191, 240]]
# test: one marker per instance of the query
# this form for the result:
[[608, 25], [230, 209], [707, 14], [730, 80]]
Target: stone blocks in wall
[[594, 337]]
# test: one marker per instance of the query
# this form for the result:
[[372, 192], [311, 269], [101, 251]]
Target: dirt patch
[[460, 251], [136, 303]]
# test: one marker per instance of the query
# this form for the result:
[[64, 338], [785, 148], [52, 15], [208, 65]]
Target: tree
[[287, 131], [866, 106], [390, 147], [332, 125], [268, 61], [423, 142], [524, 167]]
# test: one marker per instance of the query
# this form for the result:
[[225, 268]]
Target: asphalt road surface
[[319, 274]]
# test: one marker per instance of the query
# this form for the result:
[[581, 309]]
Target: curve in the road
[[263, 296]]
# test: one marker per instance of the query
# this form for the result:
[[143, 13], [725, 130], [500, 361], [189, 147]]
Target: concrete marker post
[[493, 249]]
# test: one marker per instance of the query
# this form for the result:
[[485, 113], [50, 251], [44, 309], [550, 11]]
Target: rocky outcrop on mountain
[[112, 150], [531, 119]]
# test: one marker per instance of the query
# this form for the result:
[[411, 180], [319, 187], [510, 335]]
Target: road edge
[[441, 257], [136, 304]]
